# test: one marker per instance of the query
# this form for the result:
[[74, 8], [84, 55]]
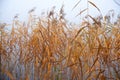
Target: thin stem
[[87, 10]]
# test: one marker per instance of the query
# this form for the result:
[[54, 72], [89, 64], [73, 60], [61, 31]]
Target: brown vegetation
[[52, 49]]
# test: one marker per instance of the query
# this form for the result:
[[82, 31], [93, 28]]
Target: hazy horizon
[[9, 8]]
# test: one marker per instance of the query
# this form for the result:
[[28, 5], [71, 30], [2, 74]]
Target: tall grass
[[52, 49]]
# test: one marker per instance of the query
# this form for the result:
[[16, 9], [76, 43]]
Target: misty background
[[9, 8]]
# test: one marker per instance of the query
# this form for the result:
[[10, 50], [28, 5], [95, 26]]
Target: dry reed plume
[[52, 49]]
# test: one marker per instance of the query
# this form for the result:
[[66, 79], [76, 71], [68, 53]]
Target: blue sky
[[9, 8]]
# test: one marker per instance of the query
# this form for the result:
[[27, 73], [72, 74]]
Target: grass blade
[[94, 5], [82, 12], [76, 4]]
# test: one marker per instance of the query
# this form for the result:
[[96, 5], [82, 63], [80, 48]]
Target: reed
[[52, 49]]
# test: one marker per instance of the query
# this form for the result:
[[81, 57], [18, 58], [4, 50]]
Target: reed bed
[[52, 49]]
